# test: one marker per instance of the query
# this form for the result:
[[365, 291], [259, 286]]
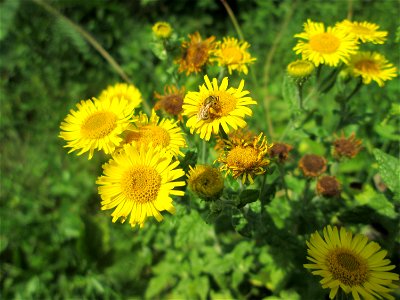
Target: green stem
[[203, 151], [233, 19], [221, 74], [283, 181], [92, 41], [344, 105], [300, 96]]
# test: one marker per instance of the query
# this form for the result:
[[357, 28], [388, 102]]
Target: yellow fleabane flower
[[123, 91], [138, 181], [216, 105], [330, 46], [160, 132], [364, 31], [371, 66], [96, 125], [350, 263], [207, 182], [233, 54], [245, 159], [195, 53]]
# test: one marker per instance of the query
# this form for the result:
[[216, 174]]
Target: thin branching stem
[[233, 19], [93, 42]]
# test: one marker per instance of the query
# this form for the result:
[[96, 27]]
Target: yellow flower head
[[139, 181], [172, 100], [353, 264], [364, 31], [233, 54], [162, 30], [244, 158], [207, 182], [371, 66], [123, 91], [300, 69], [96, 124], [216, 105], [164, 133], [325, 47], [195, 53]]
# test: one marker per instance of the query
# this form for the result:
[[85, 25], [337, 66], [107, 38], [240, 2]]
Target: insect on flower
[[209, 103]]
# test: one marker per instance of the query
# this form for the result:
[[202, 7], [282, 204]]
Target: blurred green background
[[55, 243]]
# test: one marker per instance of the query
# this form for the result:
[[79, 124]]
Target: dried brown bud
[[328, 186], [312, 165], [280, 151]]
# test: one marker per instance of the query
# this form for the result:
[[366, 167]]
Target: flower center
[[226, 103], [141, 184], [149, 134], [242, 157], [232, 55], [99, 125], [197, 54], [367, 66], [347, 267], [324, 43]]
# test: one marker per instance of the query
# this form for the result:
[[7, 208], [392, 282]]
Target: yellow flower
[[364, 31], [325, 47], [207, 182], [96, 125], [244, 158], [123, 91], [371, 66], [233, 54], [139, 181], [300, 68], [216, 105], [350, 263], [162, 30], [164, 133], [195, 53], [171, 101]]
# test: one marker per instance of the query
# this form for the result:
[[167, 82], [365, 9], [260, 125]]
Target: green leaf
[[248, 196], [389, 169], [376, 201], [240, 223], [8, 10]]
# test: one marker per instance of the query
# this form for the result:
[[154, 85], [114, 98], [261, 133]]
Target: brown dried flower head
[[171, 101], [195, 53], [346, 147], [328, 186], [280, 151], [312, 165]]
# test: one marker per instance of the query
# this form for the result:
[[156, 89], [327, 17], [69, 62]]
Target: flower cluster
[[340, 44], [142, 171], [230, 53]]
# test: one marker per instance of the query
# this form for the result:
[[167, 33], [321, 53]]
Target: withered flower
[[328, 186], [312, 165], [171, 101], [346, 147], [280, 151]]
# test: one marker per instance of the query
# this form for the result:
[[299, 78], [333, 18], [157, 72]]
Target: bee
[[204, 112]]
